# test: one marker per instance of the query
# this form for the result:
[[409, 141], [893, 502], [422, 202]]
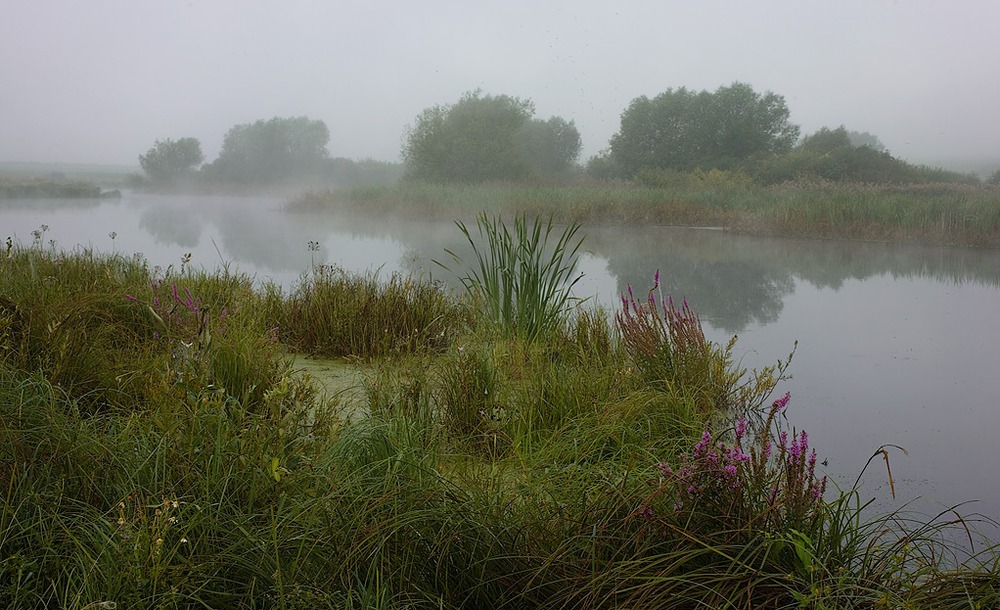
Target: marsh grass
[[334, 313], [492, 472], [944, 214], [31, 187], [523, 277]]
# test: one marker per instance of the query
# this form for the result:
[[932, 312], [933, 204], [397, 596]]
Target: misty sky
[[97, 81]]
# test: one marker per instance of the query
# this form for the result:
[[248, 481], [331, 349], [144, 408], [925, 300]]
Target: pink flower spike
[[656, 279], [782, 402], [131, 298]]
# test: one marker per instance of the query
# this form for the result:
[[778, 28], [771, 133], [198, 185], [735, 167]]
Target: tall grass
[[521, 277], [945, 213], [334, 313], [492, 472]]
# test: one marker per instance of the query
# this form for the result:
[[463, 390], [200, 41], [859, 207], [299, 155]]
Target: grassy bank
[[158, 451], [30, 187], [945, 214]]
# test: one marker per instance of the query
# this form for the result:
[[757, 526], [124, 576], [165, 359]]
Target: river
[[897, 344]]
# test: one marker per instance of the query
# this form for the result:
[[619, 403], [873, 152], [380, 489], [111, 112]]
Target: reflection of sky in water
[[896, 344]]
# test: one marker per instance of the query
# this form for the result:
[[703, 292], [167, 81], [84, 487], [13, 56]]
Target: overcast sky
[[97, 81]]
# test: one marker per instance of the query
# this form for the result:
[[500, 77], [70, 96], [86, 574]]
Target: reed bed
[[25, 187], [601, 465], [945, 213]]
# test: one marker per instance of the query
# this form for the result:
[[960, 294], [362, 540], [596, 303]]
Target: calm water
[[897, 345]]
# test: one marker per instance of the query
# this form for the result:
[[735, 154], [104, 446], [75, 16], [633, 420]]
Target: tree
[[550, 147], [474, 140], [863, 138], [486, 137], [682, 129], [267, 152], [826, 140], [170, 160]]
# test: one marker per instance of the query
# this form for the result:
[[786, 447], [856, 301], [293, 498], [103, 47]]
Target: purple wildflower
[[741, 428], [131, 298], [782, 402]]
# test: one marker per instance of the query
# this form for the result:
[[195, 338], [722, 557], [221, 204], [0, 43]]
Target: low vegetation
[[931, 213], [159, 451], [32, 187]]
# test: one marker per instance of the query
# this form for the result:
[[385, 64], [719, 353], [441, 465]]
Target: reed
[[522, 278], [931, 213], [334, 313]]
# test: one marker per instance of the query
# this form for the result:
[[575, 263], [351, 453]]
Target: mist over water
[[896, 344]]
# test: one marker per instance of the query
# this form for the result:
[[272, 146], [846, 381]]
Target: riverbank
[[163, 452], [931, 214], [27, 187]]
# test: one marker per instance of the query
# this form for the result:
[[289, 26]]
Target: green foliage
[[170, 161], [343, 173], [272, 151], [334, 313], [550, 147], [523, 279], [499, 474], [682, 129], [833, 154], [16, 187], [485, 137]]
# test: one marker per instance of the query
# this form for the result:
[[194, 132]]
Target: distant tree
[[994, 178], [473, 140], [826, 140], [170, 160], [272, 151], [863, 138], [550, 147], [683, 129]]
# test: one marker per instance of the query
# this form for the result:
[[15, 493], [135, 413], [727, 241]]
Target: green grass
[[156, 450], [946, 213], [31, 187]]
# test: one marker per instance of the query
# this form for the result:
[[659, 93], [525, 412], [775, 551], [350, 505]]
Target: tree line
[[485, 137], [274, 152]]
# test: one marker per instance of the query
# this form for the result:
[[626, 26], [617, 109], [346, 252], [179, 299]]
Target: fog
[[99, 81]]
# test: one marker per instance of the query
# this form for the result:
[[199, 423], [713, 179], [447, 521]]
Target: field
[[505, 449]]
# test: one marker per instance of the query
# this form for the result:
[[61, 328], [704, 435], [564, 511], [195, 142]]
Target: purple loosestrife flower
[[781, 403], [741, 428], [773, 496], [131, 298], [665, 469]]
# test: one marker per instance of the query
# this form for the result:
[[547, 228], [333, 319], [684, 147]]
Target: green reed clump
[[523, 279], [335, 313]]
